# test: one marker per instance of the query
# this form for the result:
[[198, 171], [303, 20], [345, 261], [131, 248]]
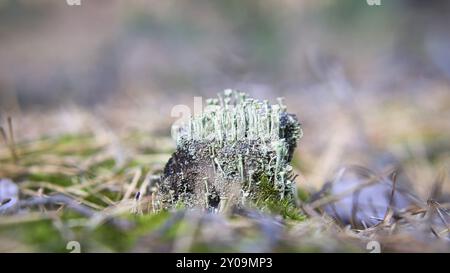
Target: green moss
[[267, 199], [42, 236], [303, 195], [57, 179], [107, 164], [120, 241], [72, 138]]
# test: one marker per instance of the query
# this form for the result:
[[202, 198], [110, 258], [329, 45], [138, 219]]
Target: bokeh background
[[369, 83]]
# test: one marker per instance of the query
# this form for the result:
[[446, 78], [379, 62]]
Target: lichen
[[223, 154]]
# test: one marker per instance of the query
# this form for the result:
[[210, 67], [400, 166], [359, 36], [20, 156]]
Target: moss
[[67, 144], [303, 195], [121, 241], [66, 139], [58, 179], [41, 235], [106, 164], [268, 199]]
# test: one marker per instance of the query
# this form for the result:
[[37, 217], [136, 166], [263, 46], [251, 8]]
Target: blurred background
[[370, 84]]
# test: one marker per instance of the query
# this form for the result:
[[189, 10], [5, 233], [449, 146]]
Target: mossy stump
[[235, 153]]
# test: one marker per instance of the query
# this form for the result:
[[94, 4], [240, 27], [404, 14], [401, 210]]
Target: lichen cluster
[[224, 154]]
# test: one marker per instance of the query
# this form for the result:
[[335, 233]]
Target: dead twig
[[73, 205], [390, 210]]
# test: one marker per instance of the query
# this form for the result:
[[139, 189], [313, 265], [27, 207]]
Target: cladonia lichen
[[230, 154]]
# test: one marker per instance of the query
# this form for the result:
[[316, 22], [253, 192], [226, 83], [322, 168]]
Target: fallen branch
[[73, 205]]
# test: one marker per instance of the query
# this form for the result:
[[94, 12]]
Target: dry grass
[[95, 185]]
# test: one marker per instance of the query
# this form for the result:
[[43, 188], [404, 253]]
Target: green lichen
[[223, 153]]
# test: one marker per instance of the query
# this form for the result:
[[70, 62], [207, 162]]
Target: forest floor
[[96, 188]]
